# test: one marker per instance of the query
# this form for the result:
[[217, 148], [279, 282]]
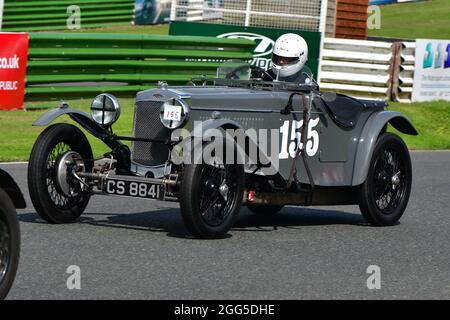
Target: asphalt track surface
[[138, 249]]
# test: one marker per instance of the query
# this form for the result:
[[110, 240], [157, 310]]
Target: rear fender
[[8, 184], [374, 126]]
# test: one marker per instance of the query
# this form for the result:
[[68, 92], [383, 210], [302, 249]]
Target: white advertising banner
[[432, 70]]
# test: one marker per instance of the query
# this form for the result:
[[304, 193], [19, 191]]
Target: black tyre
[[50, 203], [211, 198], [9, 243], [264, 210], [385, 193]]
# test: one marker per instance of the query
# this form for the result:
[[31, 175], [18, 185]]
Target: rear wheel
[[385, 193], [56, 195], [9, 243], [211, 197]]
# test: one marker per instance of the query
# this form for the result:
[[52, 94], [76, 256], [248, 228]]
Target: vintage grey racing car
[[283, 144], [10, 198]]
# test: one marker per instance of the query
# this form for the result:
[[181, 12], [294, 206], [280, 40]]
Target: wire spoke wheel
[[390, 186], [384, 196], [59, 200], [9, 243], [5, 249], [216, 206], [211, 196], [57, 195]]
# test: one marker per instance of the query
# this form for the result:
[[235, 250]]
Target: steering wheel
[[232, 75], [254, 69], [260, 72]]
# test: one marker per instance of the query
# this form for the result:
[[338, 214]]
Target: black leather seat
[[345, 110]]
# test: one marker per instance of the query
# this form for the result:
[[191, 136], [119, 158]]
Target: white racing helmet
[[289, 55]]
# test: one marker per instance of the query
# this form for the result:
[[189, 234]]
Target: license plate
[[136, 189]]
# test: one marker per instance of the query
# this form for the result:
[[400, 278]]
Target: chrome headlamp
[[174, 113], [105, 109]]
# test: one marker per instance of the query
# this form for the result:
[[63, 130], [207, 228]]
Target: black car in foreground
[[10, 198]]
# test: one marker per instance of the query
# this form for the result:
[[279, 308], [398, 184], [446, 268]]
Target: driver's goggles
[[284, 61]]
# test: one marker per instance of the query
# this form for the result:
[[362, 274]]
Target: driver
[[289, 55]]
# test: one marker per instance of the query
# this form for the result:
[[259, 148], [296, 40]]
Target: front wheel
[[9, 243], [385, 193], [211, 197], [56, 195]]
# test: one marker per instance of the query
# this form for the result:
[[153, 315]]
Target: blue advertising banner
[[152, 11], [378, 2]]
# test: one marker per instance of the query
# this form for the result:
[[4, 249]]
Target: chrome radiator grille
[[148, 125]]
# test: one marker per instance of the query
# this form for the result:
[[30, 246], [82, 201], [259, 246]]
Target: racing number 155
[[290, 143]]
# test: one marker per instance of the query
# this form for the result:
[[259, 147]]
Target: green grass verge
[[431, 119], [425, 20], [18, 134]]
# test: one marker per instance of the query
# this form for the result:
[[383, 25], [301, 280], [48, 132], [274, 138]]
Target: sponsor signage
[[13, 65], [262, 53], [263, 37], [432, 70]]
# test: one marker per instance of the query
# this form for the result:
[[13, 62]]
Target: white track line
[[17, 162]]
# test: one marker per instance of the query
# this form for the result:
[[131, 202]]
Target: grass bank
[[425, 20], [432, 120]]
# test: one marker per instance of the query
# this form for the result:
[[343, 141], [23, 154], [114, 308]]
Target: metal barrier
[[34, 15], [307, 15], [82, 64], [358, 68]]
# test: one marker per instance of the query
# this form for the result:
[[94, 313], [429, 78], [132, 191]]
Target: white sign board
[[432, 70]]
